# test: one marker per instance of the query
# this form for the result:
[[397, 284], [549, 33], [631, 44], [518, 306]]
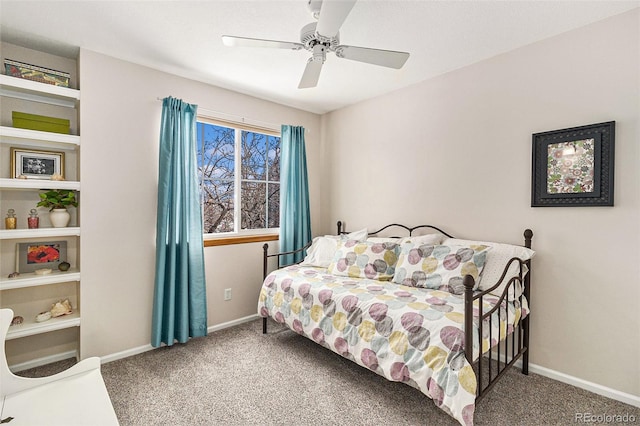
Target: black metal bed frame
[[494, 364]]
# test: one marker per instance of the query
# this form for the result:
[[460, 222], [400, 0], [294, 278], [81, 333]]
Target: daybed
[[414, 309]]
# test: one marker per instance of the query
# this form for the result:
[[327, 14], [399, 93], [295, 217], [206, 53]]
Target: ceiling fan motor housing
[[309, 38]]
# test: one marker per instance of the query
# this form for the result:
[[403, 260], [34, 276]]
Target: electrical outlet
[[227, 294]]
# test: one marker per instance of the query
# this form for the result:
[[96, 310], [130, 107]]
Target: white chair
[[76, 396]]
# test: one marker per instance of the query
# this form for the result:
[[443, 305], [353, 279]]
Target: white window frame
[[239, 127]]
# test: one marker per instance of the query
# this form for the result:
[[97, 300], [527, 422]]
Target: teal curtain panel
[[179, 301], [295, 218]]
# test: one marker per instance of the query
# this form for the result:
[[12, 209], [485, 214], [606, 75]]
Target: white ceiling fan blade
[[332, 16], [311, 74], [385, 58], [234, 41]]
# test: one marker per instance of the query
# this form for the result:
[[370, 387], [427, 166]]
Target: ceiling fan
[[322, 37]]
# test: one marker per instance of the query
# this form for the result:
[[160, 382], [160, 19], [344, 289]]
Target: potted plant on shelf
[[57, 201]]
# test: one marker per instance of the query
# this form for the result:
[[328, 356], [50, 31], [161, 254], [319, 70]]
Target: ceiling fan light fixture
[[319, 53]]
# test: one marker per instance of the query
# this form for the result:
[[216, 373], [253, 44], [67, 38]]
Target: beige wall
[[456, 151], [120, 122]]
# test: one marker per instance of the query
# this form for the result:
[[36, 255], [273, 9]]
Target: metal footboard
[[491, 366]]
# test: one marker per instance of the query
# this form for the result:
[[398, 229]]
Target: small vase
[[59, 218], [10, 220], [33, 221]]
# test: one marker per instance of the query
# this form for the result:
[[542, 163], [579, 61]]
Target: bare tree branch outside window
[[259, 167]]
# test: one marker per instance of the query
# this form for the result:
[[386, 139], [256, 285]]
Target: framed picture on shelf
[[36, 73], [40, 255], [573, 167], [32, 164]]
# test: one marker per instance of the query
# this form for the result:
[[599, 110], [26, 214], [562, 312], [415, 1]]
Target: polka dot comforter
[[406, 334]]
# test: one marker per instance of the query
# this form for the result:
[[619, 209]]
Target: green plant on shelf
[[57, 199]]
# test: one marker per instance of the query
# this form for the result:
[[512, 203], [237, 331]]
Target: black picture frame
[[573, 167]]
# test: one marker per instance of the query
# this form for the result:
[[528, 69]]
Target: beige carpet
[[238, 376]]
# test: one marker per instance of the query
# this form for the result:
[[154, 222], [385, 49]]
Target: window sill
[[243, 239]]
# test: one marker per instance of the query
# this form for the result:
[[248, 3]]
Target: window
[[239, 172]]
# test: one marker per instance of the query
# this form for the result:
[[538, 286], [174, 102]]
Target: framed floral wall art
[[40, 255], [573, 167]]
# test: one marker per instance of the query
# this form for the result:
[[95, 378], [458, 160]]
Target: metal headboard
[[410, 230]]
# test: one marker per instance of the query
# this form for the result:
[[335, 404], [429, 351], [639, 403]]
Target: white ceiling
[[184, 38]]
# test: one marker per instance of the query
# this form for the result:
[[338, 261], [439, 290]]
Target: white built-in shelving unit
[[23, 192]]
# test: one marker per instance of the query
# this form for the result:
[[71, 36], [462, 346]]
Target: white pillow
[[431, 239], [382, 240], [360, 235], [497, 260], [322, 249]]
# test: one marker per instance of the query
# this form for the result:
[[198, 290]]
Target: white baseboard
[[145, 348], [125, 354], [38, 362], [232, 323], [627, 398]]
